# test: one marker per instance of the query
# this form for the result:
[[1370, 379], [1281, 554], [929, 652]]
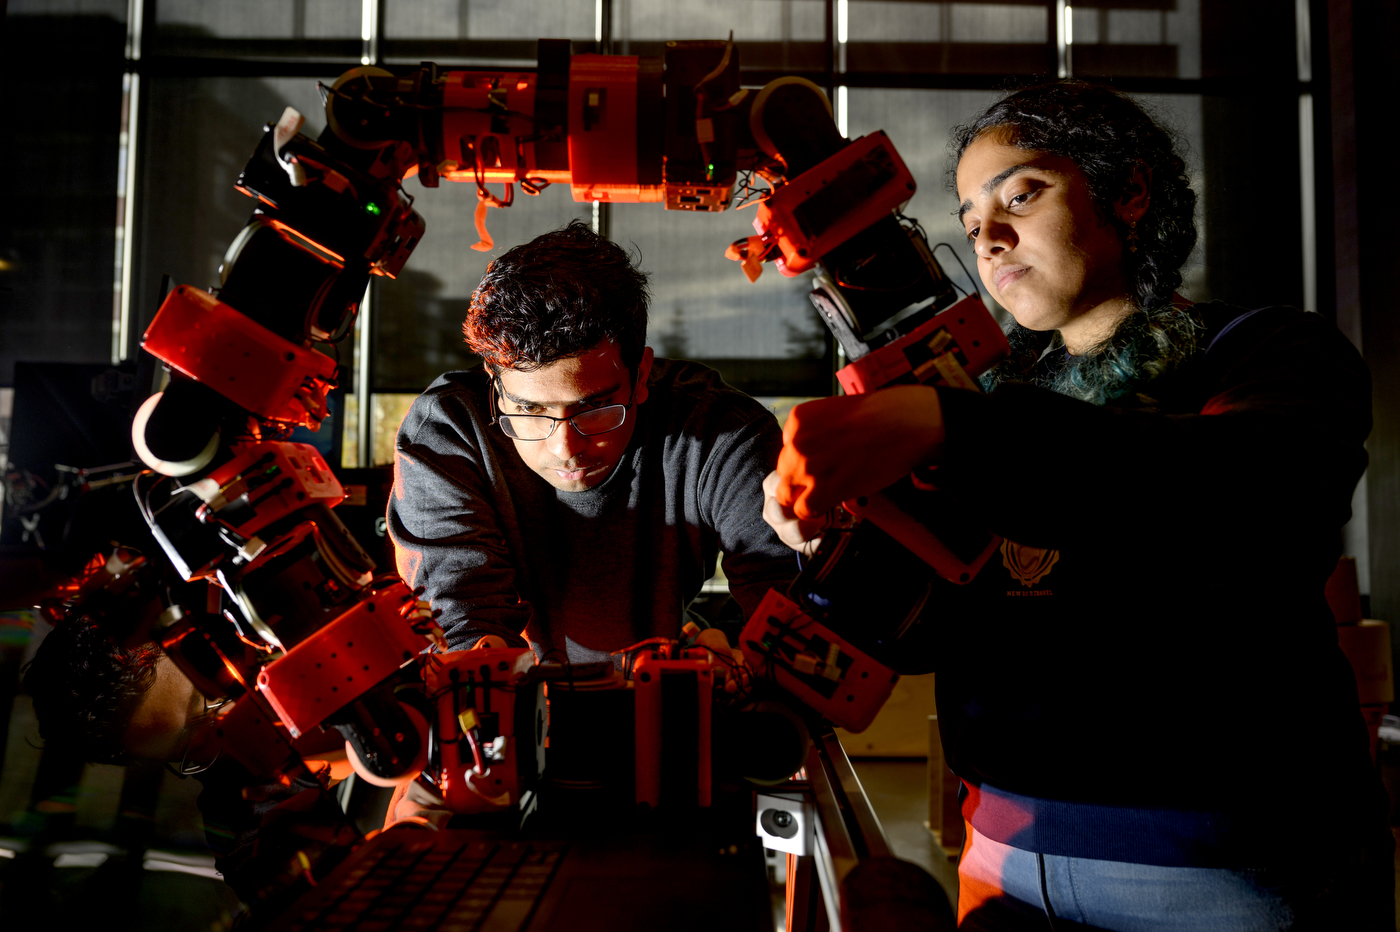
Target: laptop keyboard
[[434, 885]]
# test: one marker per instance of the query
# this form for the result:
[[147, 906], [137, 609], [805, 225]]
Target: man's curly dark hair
[[85, 687], [558, 296], [1109, 137]]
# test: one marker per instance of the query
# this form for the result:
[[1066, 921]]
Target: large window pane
[[898, 21], [750, 20], [115, 9], [974, 38], [770, 34], [998, 22], [1182, 115], [764, 336], [199, 133], [258, 28], [919, 124], [58, 180], [1157, 38], [480, 31], [489, 19], [418, 317], [274, 19]]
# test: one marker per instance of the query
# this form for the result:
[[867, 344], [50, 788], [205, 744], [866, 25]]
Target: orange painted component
[[815, 664], [952, 348], [495, 693], [277, 477], [828, 204], [949, 349], [307, 244], [922, 542], [252, 739], [204, 660], [699, 197], [603, 130], [500, 175], [211, 342], [650, 674], [250, 736], [342, 661], [481, 106]]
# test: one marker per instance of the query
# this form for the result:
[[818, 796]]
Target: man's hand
[[837, 449], [420, 615], [716, 642], [415, 804]]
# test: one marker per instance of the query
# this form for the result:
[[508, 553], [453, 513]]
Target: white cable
[[167, 467]]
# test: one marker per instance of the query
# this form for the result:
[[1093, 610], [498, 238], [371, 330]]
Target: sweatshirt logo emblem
[[1028, 564]]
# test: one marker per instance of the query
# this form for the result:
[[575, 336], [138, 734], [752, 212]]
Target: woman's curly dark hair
[[558, 296], [1109, 137], [85, 687]]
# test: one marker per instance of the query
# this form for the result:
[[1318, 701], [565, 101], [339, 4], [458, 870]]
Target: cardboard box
[[900, 728]]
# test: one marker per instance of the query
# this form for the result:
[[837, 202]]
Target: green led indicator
[[372, 208], [710, 168]]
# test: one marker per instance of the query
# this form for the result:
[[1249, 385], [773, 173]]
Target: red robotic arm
[[236, 505]]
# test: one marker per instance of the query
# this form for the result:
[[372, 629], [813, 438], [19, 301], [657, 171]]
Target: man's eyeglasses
[[541, 426]]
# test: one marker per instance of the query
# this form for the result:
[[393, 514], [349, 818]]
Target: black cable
[[958, 259], [749, 192]]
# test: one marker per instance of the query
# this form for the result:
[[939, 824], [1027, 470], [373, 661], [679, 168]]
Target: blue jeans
[[1006, 888]]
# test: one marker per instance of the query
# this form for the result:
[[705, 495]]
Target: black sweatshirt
[[1157, 637], [501, 551]]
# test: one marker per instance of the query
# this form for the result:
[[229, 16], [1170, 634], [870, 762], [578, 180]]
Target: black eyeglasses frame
[[498, 391]]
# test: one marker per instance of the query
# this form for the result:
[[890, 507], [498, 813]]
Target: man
[[575, 490]]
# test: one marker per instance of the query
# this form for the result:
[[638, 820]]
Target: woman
[[1144, 696]]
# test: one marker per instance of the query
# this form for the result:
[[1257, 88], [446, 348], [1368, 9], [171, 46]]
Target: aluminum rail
[[847, 830]]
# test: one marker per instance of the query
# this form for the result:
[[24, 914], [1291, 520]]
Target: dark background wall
[[61, 96], [1251, 147], [1366, 246]]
